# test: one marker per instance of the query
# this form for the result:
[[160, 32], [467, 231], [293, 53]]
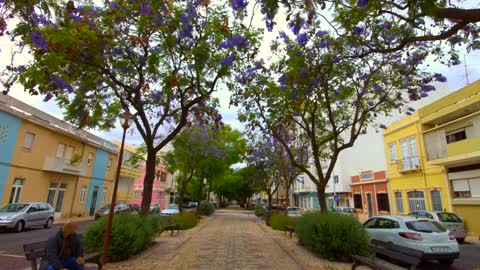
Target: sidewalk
[[77, 219], [473, 239]]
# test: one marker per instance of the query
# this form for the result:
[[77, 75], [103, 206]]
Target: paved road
[[11, 245]]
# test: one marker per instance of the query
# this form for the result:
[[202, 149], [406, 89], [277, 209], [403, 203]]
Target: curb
[[62, 221]]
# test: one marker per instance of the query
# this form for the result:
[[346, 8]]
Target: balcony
[[464, 152], [60, 165], [410, 164], [131, 172]]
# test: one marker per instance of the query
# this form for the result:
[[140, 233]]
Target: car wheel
[[49, 223], [460, 240], [446, 261], [19, 226]]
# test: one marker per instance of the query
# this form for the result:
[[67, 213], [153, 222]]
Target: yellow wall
[[469, 213]]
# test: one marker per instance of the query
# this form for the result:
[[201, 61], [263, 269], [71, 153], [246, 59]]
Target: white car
[[429, 236], [293, 211], [172, 209], [449, 220]]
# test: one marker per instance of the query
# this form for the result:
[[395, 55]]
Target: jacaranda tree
[[159, 59]]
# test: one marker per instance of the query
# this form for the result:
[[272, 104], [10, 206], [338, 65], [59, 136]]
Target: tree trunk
[[321, 199], [270, 202], [287, 198], [150, 169], [200, 196], [181, 195], [208, 194]]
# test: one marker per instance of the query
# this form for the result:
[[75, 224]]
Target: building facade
[[44, 159], [161, 187], [128, 173], [370, 194]]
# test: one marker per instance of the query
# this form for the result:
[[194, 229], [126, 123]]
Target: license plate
[[440, 249]]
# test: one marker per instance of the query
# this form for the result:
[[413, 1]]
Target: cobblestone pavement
[[229, 239]]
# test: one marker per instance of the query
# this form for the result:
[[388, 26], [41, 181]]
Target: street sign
[[336, 198]]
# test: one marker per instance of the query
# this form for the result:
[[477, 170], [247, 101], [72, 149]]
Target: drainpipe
[[422, 165], [76, 183]]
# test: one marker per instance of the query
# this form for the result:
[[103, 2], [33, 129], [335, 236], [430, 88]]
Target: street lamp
[[126, 120]]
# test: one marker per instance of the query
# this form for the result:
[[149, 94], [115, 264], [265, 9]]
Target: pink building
[[160, 185]]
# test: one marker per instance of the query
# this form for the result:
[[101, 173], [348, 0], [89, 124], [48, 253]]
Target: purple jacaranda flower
[[423, 95], [47, 97], [296, 25], [370, 103], [455, 62], [270, 24], [314, 82], [191, 11], [227, 61], [323, 44], [259, 64], [225, 44], [62, 84], [239, 5], [38, 41], [302, 39], [296, 114], [303, 72], [284, 36], [309, 91], [298, 54], [362, 3], [378, 88], [114, 5], [142, 61], [321, 33], [382, 126], [144, 9], [411, 109], [408, 113], [158, 19], [186, 32], [358, 30], [157, 95], [283, 79], [117, 51], [238, 41], [184, 18], [441, 79], [386, 26]]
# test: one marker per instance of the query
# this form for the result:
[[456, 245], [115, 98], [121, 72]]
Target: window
[[383, 223], [60, 150], [136, 194], [109, 163], [399, 201], [357, 201], [83, 194], [416, 200], [335, 179], [28, 141], [370, 223], [16, 190], [410, 159], [90, 159], [65, 151], [126, 159], [382, 202], [56, 194], [436, 200], [457, 135], [466, 188], [392, 147], [104, 195], [51, 193]]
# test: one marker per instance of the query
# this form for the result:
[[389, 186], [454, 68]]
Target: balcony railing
[[409, 164], [55, 164]]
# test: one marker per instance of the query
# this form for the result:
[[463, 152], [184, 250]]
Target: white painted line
[[14, 256]]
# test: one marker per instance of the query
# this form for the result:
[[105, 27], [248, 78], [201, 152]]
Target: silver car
[[19, 216], [293, 211], [450, 221]]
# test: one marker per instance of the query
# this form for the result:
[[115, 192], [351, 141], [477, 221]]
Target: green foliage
[[332, 236], [280, 221], [206, 208], [130, 235], [259, 210], [184, 220]]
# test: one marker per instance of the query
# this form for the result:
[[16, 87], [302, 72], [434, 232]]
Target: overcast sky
[[456, 76]]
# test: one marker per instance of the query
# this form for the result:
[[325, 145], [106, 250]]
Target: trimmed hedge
[[259, 210], [206, 208], [130, 234], [184, 220], [332, 236], [280, 221]]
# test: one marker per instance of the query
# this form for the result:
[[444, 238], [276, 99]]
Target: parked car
[[426, 235], [154, 208], [105, 210], [449, 220], [293, 211], [345, 211], [189, 205], [172, 209], [19, 216]]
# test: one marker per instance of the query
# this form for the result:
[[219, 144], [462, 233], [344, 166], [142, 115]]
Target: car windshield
[[449, 217], [293, 209], [14, 207], [425, 226], [172, 206]]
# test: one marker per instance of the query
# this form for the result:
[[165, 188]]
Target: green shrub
[[206, 208], [259, 210], [280, 221], [332, 236], [184, 220], [130, 234]]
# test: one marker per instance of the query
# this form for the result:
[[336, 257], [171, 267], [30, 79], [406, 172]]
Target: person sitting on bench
[[65, 249]]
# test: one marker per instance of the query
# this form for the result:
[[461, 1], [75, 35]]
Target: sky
[[456, 79]]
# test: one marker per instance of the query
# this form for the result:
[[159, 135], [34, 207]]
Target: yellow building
[[434, 157], [128, 173], [43, 159]]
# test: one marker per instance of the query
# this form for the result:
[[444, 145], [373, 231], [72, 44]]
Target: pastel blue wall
[[9, 126], [98, 177], [313, 195]]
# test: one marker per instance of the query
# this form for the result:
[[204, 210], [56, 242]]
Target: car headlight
[[9, 218]]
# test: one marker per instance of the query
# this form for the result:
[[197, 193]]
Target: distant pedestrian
[[65, 249]]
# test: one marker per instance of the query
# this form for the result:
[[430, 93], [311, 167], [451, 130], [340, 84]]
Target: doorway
[[94, 200], [370, 204]]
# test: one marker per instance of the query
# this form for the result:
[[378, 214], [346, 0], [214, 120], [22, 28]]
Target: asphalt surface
[[11, 244]]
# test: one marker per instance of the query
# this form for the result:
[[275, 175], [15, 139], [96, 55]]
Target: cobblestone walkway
[[229, 239]]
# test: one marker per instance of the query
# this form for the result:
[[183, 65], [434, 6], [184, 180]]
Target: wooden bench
[[172, 228], [410, 256], [34, 251], [290, 229]]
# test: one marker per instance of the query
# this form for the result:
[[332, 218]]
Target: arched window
[[416, 200]]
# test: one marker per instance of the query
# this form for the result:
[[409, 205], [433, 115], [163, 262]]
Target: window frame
[[394, 144], [104, 194], [399, 206], [433, 202], [26, 147], [355, 201], [83, 193], [16, 190], [383, 204]]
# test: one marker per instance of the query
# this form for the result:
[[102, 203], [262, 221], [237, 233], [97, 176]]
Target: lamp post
[[126, 120]]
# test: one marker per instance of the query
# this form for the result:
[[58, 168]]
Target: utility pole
[[465, 65]]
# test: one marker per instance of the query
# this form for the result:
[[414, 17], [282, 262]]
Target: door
[[33, 216], [370, 204], [94, 200]]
